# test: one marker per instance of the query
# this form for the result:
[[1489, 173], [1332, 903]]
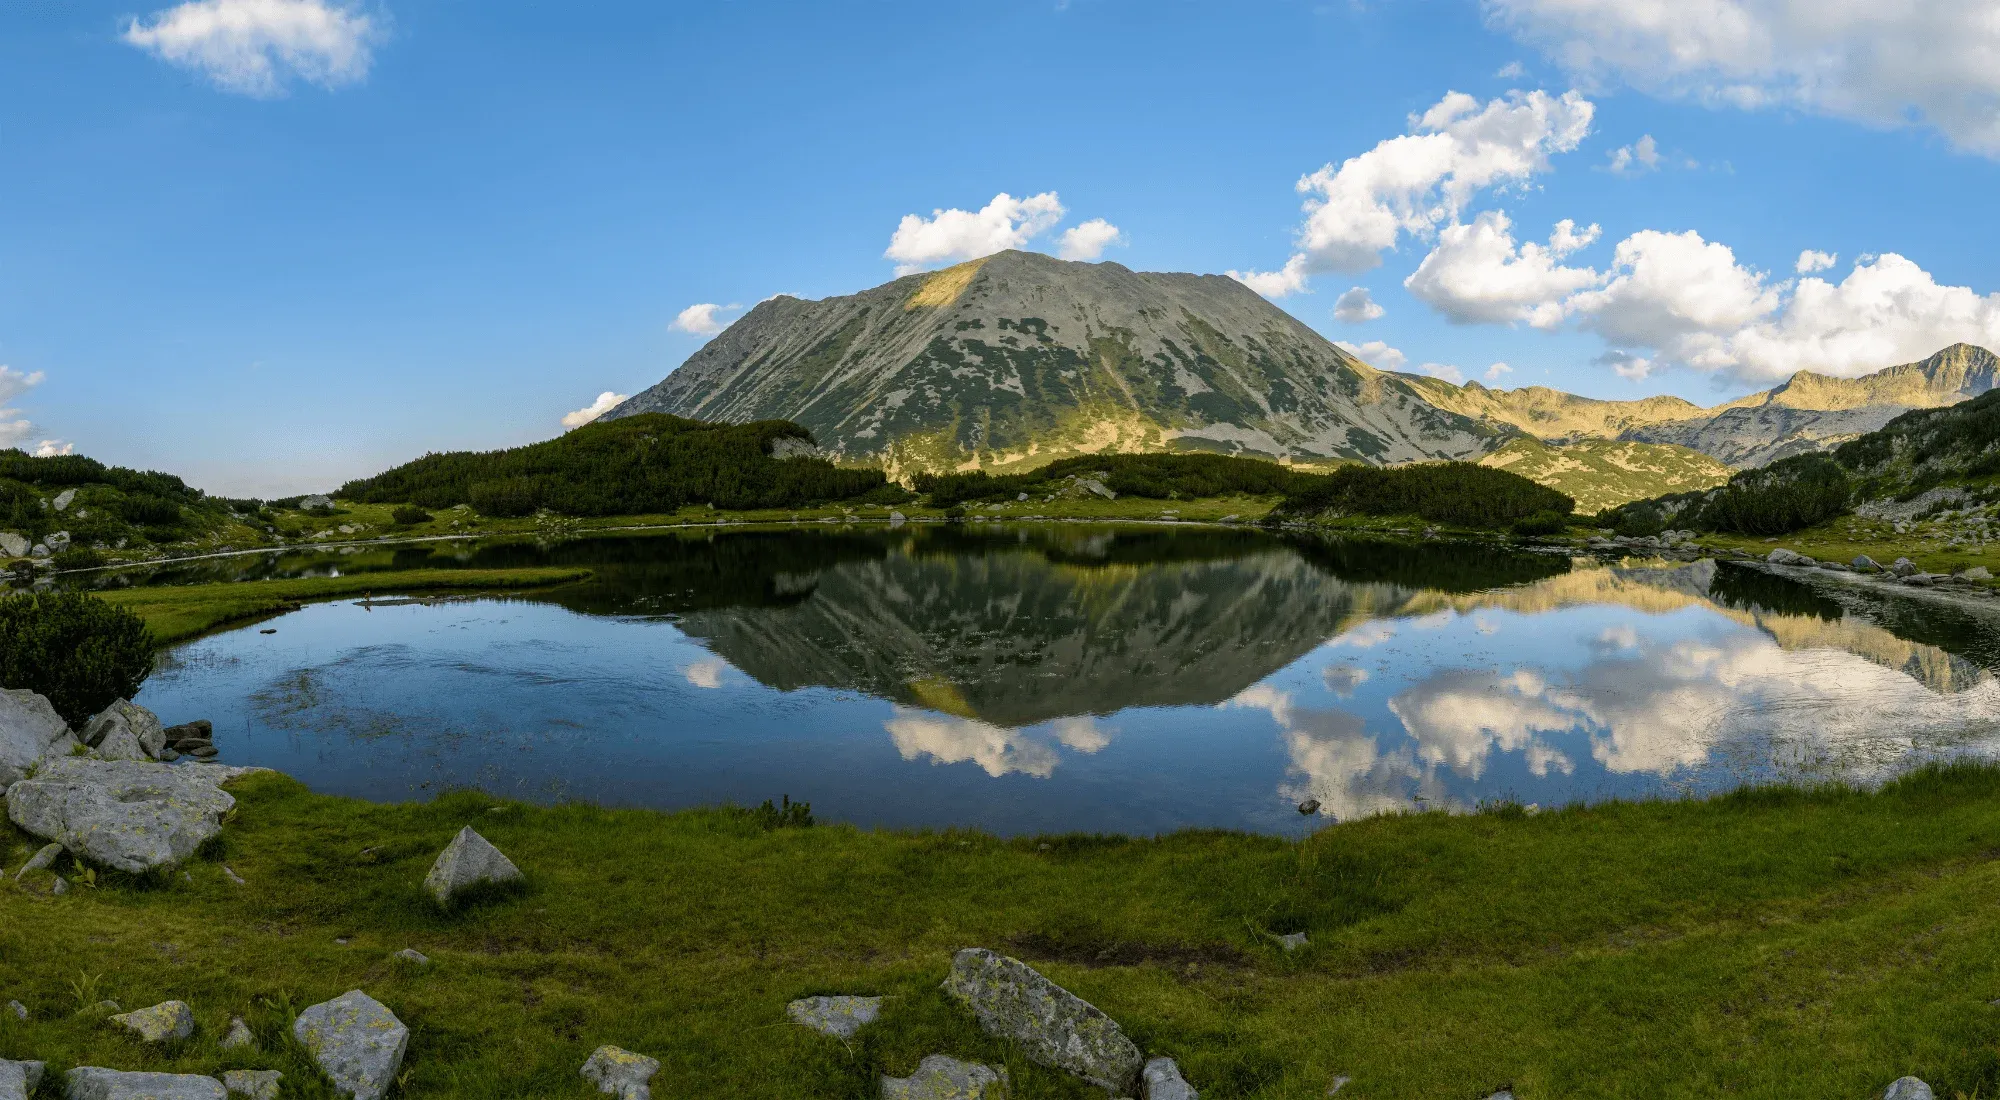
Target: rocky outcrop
[[939, 1077], [839, 1017], [30, 732], [95, 1083], [162, 1023], [466, 862], [1053, 1026], [126, 815], [621, 1073], [356, 1041]]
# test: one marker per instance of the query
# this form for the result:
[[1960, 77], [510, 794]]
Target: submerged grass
[[1772, 943]]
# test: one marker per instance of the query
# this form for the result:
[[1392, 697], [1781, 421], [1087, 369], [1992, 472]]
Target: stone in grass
[[1908, 1088], [19, 1010], [939, 1077], [164, 1022], [257, 1084], [621, 1073], [1055, 1027], [356, 1041], [19, 1080], [1292, 941], [467, 861], [412, 956], [1163, 1081], [239, 1035], [839, 1017], [40, 861], [97, 1083], [127, 815]]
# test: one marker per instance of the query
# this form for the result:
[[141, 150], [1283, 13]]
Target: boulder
[[356, 1042], [621, 1073], [467, 861], [238, 1035], [64, 499], [839, 1017], [1976, 573], [189, 734], [57, 542], [1163, 1081], [30, 732], [1054, 1027], [123, 814], [164, 1022], [40, 861], [125, 731], [1903, 567], [1292, 941], [1908, 1088], [94, 1083], [13, 545], [257, 1084], [939, 1077], [1862, 563], [1782, 556], [19, 1080], [413, 956]]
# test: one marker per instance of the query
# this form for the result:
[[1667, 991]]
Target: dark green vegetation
[[1153, 476], [113, 505], [1788, 495], [1776, 944], [80, 652], [641, 464], [1461, 494], [1926, 448]]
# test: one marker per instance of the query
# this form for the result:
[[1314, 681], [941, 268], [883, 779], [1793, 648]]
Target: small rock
[[233, 876], [239, 1035], [19, 1010], [160, 1023], [40, 861], [1503, 1094], [466, 861], [412, 955], [1054, 1026], [61, 886], [1908, 1088], [1976, 573], [621, 1073], [125, 731], [1163, 1081], [19, 1080], [940, 1077], [1903, 567], [95, 1083], [13, 545], [257, 1084], [1292, 941], [839, 1017], [356, 1041], [1309, 807], [188, 733], [1338, 1084], [1862, 563], [1782, 556]]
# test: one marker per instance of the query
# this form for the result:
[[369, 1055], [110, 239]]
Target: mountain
[[1604, 473], [1552, 415], [1018, 359]]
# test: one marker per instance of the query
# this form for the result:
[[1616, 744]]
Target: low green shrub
[[78, 651], [1462, 494], [1542, 524], [409, 515], [78, 557]]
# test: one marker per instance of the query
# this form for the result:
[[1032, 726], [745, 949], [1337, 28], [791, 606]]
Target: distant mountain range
[[1019, 359]]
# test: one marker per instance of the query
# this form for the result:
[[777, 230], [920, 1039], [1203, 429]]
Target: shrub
[[1786, 496], [78, 557], [1463, 494], [79, 652], [1542, 523], [409, 515]]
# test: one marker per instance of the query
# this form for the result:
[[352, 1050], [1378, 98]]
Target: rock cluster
[[123, 814]]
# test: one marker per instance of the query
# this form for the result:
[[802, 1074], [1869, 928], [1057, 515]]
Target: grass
[[1778, 943], [179, 612], [1927, 544]]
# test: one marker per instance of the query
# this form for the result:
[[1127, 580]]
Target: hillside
[[1018, 359], [78, 503], [1553, 415], [1603, 473]]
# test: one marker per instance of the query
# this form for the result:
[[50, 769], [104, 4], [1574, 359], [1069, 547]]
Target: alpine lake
[[1057, 678]]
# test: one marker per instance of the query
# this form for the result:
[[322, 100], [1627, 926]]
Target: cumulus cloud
[[1512, 70], [702, 318], [1342, 680], [1811, 261], [1089, 240], [16, 429], [1355, 307], [1626, 365], [1498, 371], [605, 402], [1926, 62], [1422, 179], [1444, 371], [1477, 274], [1375, 353], [252, 46], [950, 236], [706, 674], [53, 448], [998, 751], [1636, 159]]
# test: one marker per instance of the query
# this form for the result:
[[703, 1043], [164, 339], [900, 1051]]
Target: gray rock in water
[[30, 732], [239, 1035], [1908, 1088], [939, 1077], [1163, 1081], [257, 1084], [94, 1083], [839, 1017], [18, 1080], [1055, 1027], [161, 1023], [621, 1073], [125, 731], [356, 1042], [127, 815], [467, 861], [40, 861]]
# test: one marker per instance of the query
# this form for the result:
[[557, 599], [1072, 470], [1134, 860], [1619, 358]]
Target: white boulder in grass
[[1057, 1028], [621, 1073], [1163, 1081], [839, 1017], [125, 731], [161, 1023], [123, 814], [19, 1080], [356, 1041], [468, 861], [1909, 1088], [30, 732], [97, 1083]]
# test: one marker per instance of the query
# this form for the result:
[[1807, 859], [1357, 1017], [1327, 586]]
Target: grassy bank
[[1769, 944], [178, 612]]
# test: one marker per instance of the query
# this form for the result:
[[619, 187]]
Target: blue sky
[[273, 244]]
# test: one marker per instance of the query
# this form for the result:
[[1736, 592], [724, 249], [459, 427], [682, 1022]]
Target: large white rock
[[160, 1023], [357, 1042], [839, 1017], [13, 545], [95, 1083], [621, 1073], [1163, 1081], [125, 731], [30, 732], [128, 815], [1055, 1027], [467, 861], [18, 1080], [939, 1077]]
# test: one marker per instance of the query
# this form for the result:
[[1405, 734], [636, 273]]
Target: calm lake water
[[1063, 677]]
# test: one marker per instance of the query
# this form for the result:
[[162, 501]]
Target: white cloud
[[949, 236], [605, 402], [1375, 353], [1420, 180], [1887, 311], [1355, 307], [701, 318], [251, 46], [1444, 371], [1089, 240], [998, 751], [706, 674], [1922, 62], [1343, 679], [1811, 261], [1626, 365], [1675, 292], [1636, 159], [1477, 274], [1512, 70], [54, 448], [1498, 371], [15, 429]]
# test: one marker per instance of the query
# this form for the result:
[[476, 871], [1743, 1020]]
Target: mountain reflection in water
[[1067, 677]]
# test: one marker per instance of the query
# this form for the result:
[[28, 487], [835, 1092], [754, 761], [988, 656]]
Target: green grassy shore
[[1775, 943]]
